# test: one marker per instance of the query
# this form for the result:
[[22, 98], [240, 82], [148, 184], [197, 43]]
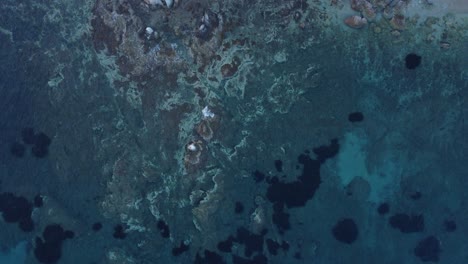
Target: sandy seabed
[[438, 7]]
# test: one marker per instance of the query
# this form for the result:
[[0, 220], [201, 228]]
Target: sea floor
[[144, 131]]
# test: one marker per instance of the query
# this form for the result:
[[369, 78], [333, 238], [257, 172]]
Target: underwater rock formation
[[355, 21], [193, 154]]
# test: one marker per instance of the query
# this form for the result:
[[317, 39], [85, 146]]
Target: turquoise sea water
[[16, 255], [233, 132]]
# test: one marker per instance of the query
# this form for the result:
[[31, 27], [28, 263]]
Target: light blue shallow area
[[16, 255]]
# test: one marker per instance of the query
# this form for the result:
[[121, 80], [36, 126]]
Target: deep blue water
[[327, 144]]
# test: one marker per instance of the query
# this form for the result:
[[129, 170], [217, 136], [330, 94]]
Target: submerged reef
[[48, 249], [428, 249], [17, 209], [39, 143], [345, 231], [209, 91]]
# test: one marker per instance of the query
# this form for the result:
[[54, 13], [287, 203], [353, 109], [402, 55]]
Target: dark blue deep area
[[20, 153], [14, 108]]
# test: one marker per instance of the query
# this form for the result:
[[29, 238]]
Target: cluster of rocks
[[391, 10], [194, 149]]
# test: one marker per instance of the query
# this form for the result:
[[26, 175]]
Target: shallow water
[[233, 132]]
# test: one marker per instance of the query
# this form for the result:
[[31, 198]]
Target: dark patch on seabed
[[237, 132]]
